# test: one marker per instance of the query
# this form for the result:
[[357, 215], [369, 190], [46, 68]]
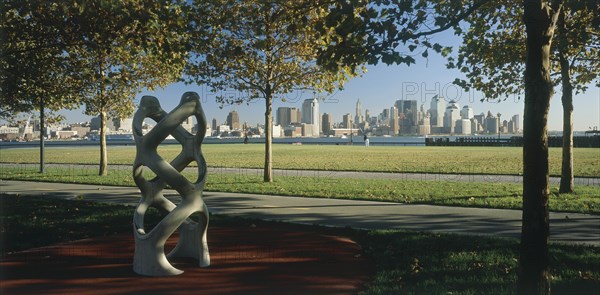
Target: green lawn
[[472, 160], [406, 262], [448, 193]]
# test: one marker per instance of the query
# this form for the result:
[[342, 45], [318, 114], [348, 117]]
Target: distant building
[[491, 124], [347, 121], [425, 125], [394, 126], [326, 123], [358, 118], [286, 116], [310, 113], [516, 119], [467, 113], [214, 124], [437, 109], [451, 115], [408, 115], [188, 124], [233, 120]]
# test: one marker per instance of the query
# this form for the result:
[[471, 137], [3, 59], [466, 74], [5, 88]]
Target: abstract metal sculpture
[[149, 257]]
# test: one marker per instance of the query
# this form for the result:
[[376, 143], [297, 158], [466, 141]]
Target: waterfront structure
[[436, 109], [233, 120], [214, 124]]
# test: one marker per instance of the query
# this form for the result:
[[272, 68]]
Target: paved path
[[565, 227], [590, 181]]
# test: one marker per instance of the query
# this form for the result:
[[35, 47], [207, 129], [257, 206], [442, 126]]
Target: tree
[[33, 64], [125, 46], [262, 50], [497, 68], [35, 70], [378, 35]]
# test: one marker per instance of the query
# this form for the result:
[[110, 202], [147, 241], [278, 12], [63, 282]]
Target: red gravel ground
[[273, 258]]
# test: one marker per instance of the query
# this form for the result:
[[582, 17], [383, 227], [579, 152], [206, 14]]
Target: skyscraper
[[408, 115], [358, 114], [233, 120], [326, 122], [286, 116], [310, 113], [436, 109], [467, 113], [451, 115], [347, 120], [394, 120], [283, 116]]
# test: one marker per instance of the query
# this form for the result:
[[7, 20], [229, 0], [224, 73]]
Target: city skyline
[[380, 85]]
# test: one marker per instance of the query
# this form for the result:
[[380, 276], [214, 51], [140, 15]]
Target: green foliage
[[493, 52], [33, 61], [259, 49], [390, 31]]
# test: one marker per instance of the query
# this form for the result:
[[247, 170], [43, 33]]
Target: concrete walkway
[[587, 181], [565, 227]]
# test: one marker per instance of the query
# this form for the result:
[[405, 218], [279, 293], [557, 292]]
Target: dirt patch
[[275, 258]]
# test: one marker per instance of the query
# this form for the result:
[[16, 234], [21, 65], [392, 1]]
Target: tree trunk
[[103, 153], [534, 277], [567, 184], [268, 173], [42, 135]]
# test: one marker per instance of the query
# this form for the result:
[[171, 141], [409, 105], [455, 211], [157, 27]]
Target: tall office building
[[310, 113], [286, 116], [492, 124], [283, 116], [347, 120], [408, 114], [214, 124], [295, 115], [233, 120], [437, 109], [326, 123], [516, 123], [451, 115], [394, 126], [467, 113], [358, 114]]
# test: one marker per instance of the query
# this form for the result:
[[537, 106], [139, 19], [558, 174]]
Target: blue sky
[[379, 88]]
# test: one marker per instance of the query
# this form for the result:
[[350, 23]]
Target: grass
[[427, 263], [406, 262], [464, 160], [463, 194]]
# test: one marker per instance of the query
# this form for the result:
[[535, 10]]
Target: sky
[[378, 89]]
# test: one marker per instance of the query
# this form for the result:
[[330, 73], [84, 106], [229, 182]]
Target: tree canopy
[[260, 50]]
